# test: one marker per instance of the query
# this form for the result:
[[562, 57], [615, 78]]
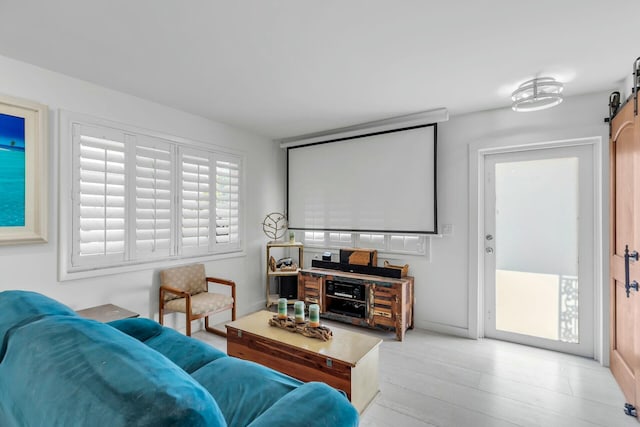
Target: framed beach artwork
[[23, 171]]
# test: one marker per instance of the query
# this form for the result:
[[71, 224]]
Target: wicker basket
[[404, 269]]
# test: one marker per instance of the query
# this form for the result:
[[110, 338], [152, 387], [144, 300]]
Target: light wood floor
[[437, 380]]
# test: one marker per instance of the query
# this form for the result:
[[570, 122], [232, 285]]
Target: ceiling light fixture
[[537, 94]]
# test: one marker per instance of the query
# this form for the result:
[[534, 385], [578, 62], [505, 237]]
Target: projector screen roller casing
[[381, 182]]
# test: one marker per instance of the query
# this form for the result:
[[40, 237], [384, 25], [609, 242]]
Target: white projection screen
[[381, 182]]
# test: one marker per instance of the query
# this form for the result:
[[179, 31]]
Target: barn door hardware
[[630, 410], [614, 104], [636, 81], [634, 256]]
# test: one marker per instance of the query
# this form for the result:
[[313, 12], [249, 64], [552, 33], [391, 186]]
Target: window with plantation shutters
[[99, 196], [195, 201], [153, 199], [138, 198], [227, 201]]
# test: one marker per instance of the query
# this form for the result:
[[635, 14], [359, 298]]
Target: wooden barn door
[[625, 241]]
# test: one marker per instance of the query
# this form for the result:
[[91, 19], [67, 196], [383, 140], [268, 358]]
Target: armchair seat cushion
[[205, 302]]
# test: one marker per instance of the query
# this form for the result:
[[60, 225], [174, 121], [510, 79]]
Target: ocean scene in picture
[[12, 171]]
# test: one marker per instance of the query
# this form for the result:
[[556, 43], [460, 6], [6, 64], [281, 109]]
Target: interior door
[[624, 268], [539, 248]]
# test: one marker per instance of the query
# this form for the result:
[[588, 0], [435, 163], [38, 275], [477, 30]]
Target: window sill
[[65, 273]]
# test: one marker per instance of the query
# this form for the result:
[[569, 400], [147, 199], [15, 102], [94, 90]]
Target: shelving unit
[[272, 299]]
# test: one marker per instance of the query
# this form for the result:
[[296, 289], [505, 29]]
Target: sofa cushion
[[243, 389], [139, 328], [64, 370], [190, 354], [17, 307], [316, 405]]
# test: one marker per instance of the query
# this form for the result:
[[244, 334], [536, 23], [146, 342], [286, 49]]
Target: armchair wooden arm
[[230, 283], [176, 291]]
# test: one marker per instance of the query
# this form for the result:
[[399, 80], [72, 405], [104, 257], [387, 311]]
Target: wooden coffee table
[[349, 361]]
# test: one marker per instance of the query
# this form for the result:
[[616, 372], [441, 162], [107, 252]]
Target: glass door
[[539, 234]]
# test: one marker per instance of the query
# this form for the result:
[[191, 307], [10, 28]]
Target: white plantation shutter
[[99, 196], [139, 198], [153, 198], [195, 201], [227, 200]]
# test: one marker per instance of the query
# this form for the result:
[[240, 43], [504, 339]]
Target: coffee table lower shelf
[[307, 359]]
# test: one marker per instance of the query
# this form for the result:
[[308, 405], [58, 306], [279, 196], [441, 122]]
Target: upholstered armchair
[[186, 290]]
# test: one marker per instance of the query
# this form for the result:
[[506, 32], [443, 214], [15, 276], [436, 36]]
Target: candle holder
[[314, 315], [298, 310], [282, 308]]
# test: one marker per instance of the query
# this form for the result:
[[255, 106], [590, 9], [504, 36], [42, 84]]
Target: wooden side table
[[107, 313]]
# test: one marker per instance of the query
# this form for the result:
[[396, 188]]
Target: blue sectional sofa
[[58, 369]]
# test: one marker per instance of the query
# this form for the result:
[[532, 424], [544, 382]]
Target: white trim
[[477, 152], [415, 119], [144, 265], [326, 245]]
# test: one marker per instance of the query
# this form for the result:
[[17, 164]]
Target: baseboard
[[443, 328]]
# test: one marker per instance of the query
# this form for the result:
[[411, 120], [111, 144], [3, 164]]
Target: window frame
[[68, 163], [355, 242]]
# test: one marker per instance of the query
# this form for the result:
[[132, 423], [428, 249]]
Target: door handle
[[634, 256]]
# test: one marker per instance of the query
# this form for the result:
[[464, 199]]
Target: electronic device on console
[[284, 262], [354, 291], [347, 298]]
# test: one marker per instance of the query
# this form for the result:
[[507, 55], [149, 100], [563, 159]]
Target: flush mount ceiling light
[[537, 94]]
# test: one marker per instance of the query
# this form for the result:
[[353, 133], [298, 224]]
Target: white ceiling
[[289, 67]]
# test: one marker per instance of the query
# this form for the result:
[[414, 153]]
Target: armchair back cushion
[[189, 278]]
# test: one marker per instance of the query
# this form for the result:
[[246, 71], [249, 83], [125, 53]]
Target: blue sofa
[[58, 369]]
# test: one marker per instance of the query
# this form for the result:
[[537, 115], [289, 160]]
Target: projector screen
[[381, 182]]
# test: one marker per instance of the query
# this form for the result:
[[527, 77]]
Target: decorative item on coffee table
[[321, 332]]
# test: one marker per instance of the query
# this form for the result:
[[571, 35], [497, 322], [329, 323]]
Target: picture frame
[[24, 161]]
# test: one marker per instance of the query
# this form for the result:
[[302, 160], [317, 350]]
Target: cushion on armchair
[[188, 278], [200, 303]]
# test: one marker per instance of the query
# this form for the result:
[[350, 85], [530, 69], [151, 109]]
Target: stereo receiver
[[354, 291]]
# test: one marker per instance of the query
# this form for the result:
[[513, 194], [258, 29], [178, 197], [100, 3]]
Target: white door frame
[[477, 153]]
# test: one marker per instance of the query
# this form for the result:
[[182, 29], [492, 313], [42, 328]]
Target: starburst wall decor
[[274, 225]]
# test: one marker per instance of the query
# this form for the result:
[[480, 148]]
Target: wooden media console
[[359, 299]]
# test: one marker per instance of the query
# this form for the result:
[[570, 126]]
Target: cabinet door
[[383, 305], [310, 289]]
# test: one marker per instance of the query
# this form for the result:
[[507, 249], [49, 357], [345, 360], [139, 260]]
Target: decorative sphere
[[274, 225]]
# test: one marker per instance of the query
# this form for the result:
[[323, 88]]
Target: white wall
[[33, 267], [442, 282]]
